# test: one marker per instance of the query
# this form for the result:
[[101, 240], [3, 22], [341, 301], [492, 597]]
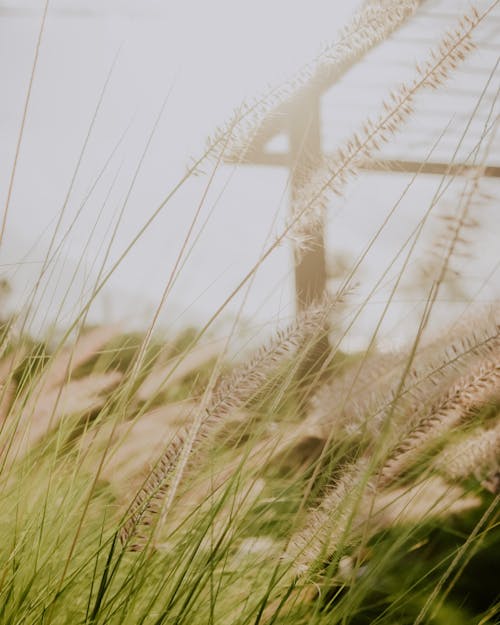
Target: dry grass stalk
[[230, 394]]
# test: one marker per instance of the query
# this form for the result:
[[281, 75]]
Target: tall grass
[[153, 481]]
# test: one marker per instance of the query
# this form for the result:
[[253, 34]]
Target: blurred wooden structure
[[304, 120]]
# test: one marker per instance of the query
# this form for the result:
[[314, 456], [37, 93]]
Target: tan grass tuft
[[176, 369], [134, 445], [475, 454], [69, 359], [42, 414], [432, 498]]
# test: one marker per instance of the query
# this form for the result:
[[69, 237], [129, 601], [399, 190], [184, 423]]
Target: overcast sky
[[201, 59]]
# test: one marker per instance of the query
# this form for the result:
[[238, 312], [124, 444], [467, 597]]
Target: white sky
[[208, 56]]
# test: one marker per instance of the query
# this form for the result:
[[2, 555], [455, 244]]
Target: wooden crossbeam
[[281, 159], [441, 169]]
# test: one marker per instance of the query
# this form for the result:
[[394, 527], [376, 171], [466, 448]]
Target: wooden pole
[[305, 149], [309, 265]]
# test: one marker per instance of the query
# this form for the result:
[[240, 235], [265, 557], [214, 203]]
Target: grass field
[[149, 479]]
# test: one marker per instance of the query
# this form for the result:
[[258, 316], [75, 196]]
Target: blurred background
[[177, 70]]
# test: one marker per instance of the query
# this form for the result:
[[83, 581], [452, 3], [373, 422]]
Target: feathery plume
[[476, 454], [359, 402], [326, 525], [469, 393], [231, 393], [452, 241]]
